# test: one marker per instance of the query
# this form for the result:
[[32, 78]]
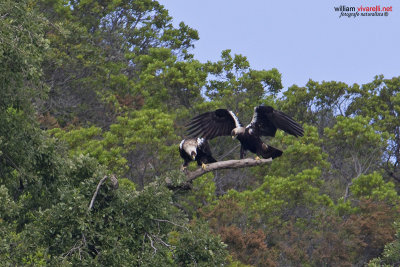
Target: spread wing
[[267, 120], [212, 124]]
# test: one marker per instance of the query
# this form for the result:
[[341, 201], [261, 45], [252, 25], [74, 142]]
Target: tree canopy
[[94, 99]]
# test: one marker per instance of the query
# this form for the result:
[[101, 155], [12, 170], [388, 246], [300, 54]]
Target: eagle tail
[[210, 159], [206, 159], [270, 152]]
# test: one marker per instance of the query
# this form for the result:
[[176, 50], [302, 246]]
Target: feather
[[266, 120], [220, 122]]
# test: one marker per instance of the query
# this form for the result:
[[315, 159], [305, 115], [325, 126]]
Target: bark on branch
[[227, 164], [114, 181]]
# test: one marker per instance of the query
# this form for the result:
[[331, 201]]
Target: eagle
[[196, 149], [265, 122]]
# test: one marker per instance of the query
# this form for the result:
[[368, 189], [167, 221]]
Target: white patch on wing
[[200, 141], [254, 119], [237, 123], [181, 144]]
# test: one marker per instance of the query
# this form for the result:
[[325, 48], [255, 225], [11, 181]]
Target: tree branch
[[95, 192], [227, 164], [114, 181], [151, 242], [347, 193]]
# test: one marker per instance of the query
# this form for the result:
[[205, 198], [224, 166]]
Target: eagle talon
[[183, 168], [257, 158], [203, 166]]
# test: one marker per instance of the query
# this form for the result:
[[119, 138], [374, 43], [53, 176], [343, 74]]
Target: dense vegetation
[[91, 89]]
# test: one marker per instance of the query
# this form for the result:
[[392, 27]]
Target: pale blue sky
[[302, 39]]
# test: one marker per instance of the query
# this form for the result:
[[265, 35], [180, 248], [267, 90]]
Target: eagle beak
[[234, 137], [193, 157]]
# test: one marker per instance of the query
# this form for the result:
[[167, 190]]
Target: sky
[[302, 39]]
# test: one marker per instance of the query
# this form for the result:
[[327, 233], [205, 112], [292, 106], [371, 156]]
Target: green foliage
[[104, 55], [356, 134], [298, 101], [238, 86], [317, 103], [9, 209], [22, 45], [31, 163], [124, 227], [138, 146], [200, 248], [202, 194], [380, 101], [45, 193], [355, 147], [300, 154], [166, 81], [279, 194], [90, 141], [122, 85], [57, 227], [373, 186]]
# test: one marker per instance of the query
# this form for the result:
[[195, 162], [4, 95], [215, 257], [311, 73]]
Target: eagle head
[[235, 132]]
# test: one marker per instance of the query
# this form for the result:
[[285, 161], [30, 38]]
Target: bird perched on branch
[[196, 149], [265, 122]]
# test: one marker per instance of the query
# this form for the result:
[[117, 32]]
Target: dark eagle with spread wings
[[266, 120], [196, 149]]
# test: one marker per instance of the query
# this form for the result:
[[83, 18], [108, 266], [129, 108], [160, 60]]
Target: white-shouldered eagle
[[196, 149], [266, 120]]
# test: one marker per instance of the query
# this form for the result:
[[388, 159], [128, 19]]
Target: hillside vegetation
[[91, 90]]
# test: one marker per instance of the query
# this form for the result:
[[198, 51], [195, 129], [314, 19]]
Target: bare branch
[[77, 247], [151, 243], [347, 193], [162, 242], [97, 190], [114, 182], [228, 164]]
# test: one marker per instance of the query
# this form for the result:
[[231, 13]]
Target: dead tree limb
[[114, 182], [227, 164], [95, 192]]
